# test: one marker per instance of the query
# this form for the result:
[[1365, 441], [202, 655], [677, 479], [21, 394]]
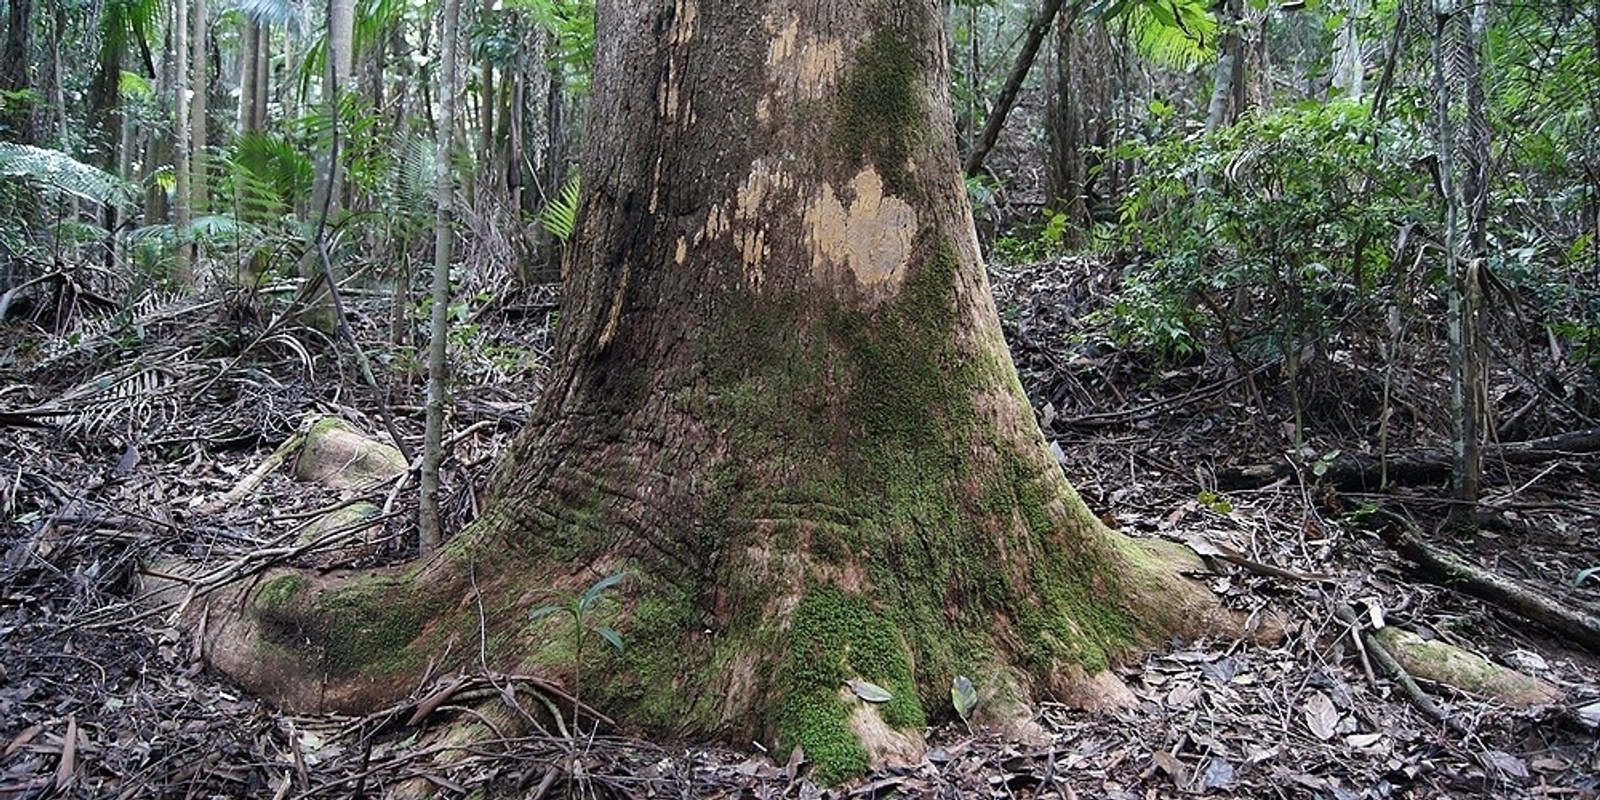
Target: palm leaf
[[270, 12], [62, 172], [1172, 33], [560, 216]]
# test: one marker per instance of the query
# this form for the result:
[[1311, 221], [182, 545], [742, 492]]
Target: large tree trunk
[[783, 406]]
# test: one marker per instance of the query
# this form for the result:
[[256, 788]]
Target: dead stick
[[1380, 654]]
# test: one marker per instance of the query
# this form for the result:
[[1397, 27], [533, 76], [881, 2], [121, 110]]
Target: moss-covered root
[[841, 652], [1450, 665], [310, 642]]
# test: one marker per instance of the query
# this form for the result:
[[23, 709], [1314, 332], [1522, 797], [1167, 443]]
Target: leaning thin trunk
[[1038, 26]]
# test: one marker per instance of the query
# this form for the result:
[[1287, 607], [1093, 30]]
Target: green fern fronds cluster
[[57, 170], [560, 216]]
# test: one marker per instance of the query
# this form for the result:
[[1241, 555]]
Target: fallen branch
[[1353, 472], [1455, 573], [1390, 666], [248, 484]]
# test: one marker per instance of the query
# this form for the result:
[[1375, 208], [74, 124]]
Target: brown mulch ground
[[100, 697]]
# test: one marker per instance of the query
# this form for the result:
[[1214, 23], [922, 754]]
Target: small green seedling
[[582, 609]]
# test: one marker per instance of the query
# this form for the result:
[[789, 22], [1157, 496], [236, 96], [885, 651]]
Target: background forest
[[1305, 186], [1279, 268]]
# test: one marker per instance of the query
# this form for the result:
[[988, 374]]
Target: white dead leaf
[[1219, 774], [1321, 717], [1527, 661], [1362, 741], [1183, 696], [1589, 715], [1505, 763]]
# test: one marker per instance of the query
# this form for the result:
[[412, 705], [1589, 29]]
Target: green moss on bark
[[883, 117], [370, 625], [280, 593], [836, 637]]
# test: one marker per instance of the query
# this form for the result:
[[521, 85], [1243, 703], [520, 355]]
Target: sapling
[[582, 609]]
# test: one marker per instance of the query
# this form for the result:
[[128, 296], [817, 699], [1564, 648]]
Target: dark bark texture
[[784, 407]]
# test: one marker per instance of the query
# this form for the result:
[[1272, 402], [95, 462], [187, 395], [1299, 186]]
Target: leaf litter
[[101, 698]]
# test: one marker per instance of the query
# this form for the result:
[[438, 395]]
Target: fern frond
[[62, 172], [412, 177], [560, 216], [1174, 33]]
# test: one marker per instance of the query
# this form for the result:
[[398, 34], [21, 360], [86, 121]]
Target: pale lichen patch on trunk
[[798, 67], [753, 211], [867, 237], [669, 93]]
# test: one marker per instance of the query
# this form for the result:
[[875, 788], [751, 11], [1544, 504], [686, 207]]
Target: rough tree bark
[[16, 56], [783, 406]]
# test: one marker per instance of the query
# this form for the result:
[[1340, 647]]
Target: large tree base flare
[[783, 406]]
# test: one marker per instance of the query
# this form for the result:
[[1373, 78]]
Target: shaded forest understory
[[101, 696]]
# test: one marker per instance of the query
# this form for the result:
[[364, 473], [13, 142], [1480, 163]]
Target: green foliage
[[269, 176], [570, 24], [560, 216], [1028, 243], [582, 610], [58, 171], [1263, 232], [1172, 33]]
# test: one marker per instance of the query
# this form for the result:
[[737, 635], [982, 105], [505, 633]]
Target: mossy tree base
[[783, 406]]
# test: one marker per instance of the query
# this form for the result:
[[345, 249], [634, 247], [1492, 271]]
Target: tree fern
[[62, 172], [560, 216]]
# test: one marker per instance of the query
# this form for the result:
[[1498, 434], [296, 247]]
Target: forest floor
[[165, 408]]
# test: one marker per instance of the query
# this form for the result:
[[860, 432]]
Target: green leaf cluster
[[1263, 231]]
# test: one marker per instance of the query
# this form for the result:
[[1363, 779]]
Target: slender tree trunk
[[1349, 62], [1038, 26], [16, 56], [1223, 107], [249, 68], [1462, 158], [200, 90], [326, 187], [1079, 124], [183, 257], [430, 521], [783, 407]]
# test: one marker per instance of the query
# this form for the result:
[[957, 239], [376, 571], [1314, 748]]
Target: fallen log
[[1453, 572], [1362, 473]]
